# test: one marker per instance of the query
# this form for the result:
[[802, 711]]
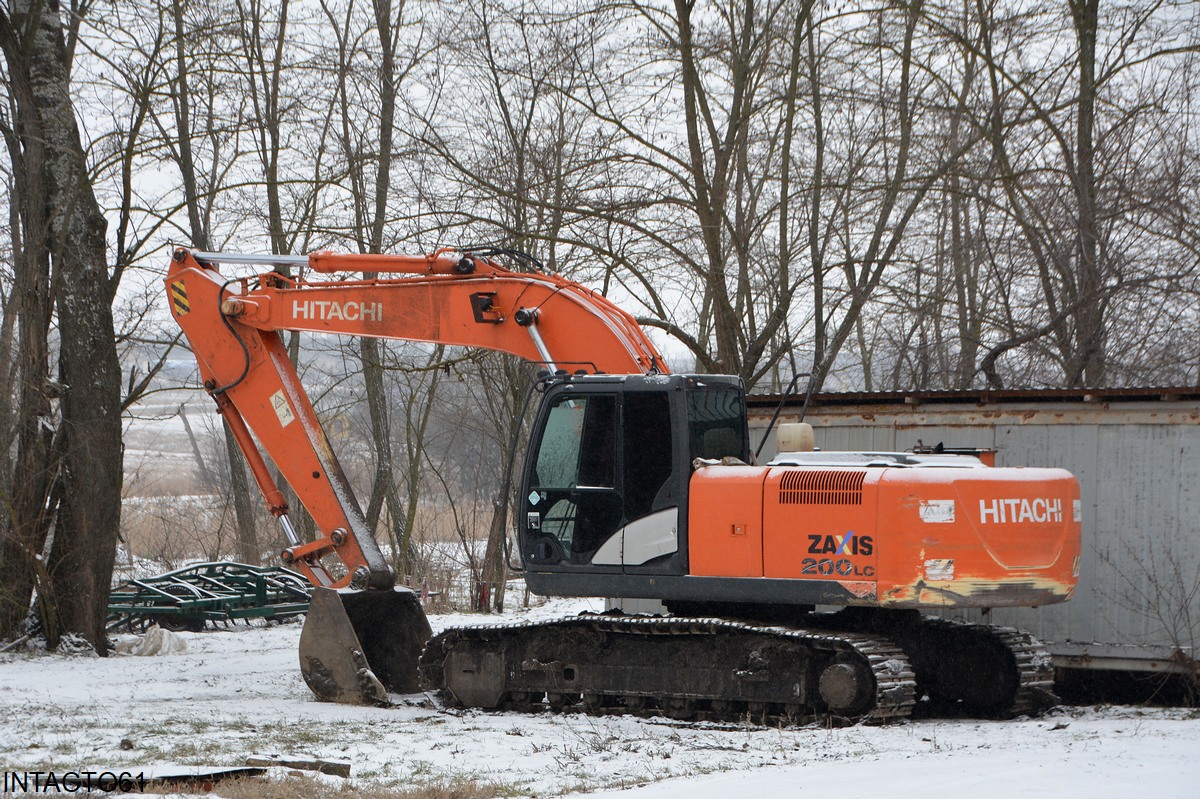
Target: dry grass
[[161, 531], [189, 525], [306, 787], [156, 480], [173, 530]]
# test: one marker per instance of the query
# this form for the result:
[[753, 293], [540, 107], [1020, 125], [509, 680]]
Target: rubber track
[[895, 691]]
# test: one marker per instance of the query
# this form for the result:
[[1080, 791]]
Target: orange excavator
[[638, 483]]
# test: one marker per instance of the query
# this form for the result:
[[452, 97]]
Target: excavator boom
[[473, 303]]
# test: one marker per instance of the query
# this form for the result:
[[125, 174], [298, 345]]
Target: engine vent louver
[[821, 488]]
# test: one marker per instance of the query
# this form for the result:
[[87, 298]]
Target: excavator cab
[[605, 484]]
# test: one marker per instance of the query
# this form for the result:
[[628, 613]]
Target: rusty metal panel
[[866, 438], [1138, 465]]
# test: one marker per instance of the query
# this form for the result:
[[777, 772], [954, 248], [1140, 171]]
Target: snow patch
[[238, 692]]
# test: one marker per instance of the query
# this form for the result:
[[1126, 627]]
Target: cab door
[[571, 504]]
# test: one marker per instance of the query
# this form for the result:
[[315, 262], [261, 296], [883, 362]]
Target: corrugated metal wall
[[1138, 464]]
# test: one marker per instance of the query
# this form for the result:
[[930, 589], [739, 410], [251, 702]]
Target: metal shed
[[1136, 453]]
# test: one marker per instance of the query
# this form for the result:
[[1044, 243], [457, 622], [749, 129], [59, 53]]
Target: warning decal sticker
[[179, 300], [937, 511], [282, 409]]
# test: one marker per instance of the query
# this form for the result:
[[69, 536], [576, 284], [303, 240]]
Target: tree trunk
[[1087, 367], [494, 573], [371, 211], [33, 469], [81, 555], [243, 507]]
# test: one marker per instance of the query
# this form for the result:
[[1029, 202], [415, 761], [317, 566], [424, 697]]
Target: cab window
[[573, 506], [717, 424]]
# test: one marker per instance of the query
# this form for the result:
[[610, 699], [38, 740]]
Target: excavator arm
[[448, 297]]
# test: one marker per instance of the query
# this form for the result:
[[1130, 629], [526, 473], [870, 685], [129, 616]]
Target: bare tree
[[194, 87], [375, 37], [76, 476], [1077, 183], [701, 116]]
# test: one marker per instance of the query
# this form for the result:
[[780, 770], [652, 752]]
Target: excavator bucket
[[357, 646]]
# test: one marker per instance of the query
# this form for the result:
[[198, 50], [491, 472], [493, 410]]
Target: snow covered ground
[[238, 693]]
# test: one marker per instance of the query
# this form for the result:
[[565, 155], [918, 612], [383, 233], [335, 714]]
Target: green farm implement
[[189, 598]]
